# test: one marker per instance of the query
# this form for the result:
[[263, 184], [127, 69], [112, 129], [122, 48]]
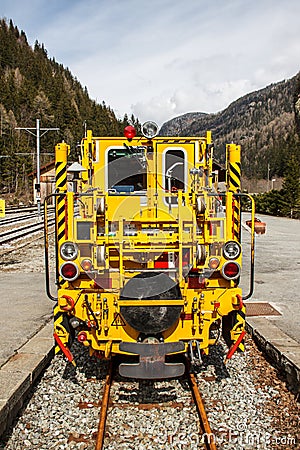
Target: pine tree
[[33, 86], [291, 187]]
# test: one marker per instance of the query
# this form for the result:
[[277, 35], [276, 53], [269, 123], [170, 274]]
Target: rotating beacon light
[[129, 132]]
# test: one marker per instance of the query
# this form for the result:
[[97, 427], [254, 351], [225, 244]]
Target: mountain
[[263, 122], [297, 104], [34, 86]]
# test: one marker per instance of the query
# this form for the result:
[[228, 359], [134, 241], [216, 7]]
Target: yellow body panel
[[2, 208]]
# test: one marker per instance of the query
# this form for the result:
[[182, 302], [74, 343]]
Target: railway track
[[21, 209], [104, 408], [16, 215], [247, 407], [11, 235], [10, 221], [207, 437]]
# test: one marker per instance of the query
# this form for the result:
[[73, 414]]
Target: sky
[[159, 59]]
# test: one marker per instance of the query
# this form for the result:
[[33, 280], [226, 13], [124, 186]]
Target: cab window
[[174, 170], [126, 170]]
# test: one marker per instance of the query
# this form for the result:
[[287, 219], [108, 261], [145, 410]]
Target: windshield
[[127, 170]]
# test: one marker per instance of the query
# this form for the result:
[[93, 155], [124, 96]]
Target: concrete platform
[[283, 351], [26, 339], [276, 281], [25, 309], [277, 271]]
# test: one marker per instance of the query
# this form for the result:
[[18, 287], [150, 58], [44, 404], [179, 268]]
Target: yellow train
[[148, 250]]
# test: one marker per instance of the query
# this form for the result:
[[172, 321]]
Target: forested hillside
[[297, 105], [32, 86], [263, 122]]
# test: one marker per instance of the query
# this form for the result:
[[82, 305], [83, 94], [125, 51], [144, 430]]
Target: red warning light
[[129, 132], [82, 336]]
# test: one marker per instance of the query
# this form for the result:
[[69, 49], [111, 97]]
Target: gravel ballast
[[248, 407]]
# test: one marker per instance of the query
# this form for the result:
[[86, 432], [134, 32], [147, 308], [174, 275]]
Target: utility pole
[[38, 135]]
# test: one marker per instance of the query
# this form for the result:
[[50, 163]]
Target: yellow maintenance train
[[148, 251]]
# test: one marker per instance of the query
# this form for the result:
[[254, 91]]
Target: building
[[47, 181]]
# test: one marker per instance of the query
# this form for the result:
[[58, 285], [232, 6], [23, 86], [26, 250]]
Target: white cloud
[[211, 98], [163, 58]]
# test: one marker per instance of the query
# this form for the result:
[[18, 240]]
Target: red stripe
[[235, 345], [64, 349]]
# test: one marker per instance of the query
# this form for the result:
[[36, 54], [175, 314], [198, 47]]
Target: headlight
[[150, 129], [69, 251], [231, 250]]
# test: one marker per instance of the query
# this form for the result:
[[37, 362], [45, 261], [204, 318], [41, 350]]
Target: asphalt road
[[25, 309], [277, 270]]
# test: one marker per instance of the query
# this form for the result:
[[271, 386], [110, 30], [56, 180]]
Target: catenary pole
[[37, 133]]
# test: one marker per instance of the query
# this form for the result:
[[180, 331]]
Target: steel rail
[[21, 210], [104, 408], [12, 220], [209, 439], [18, 209], [21, 232]]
